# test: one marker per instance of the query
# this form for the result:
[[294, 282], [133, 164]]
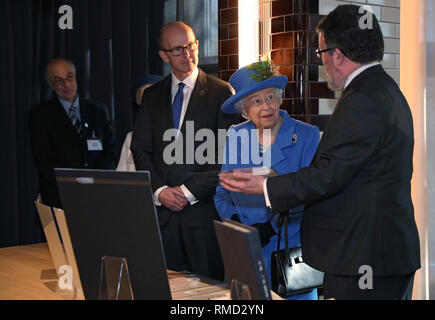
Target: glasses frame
[[320, 52], [267, 99], [58, 81], [190, 47]]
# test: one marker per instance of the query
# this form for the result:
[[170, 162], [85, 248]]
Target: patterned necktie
[[177, 105], [74, 120]]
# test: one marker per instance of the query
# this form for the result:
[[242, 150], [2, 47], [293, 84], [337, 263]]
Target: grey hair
[[240, 105]]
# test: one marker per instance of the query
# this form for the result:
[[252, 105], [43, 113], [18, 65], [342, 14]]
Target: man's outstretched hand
[[242, 182]]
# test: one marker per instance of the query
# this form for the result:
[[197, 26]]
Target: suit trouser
[[383, 288], [191, 249]]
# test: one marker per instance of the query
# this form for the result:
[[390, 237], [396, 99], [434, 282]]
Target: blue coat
[[294, 148]]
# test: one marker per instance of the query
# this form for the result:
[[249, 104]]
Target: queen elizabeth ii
[[283, 144]]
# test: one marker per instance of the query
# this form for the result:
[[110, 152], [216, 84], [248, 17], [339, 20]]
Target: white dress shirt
[[349, 79], [189, 82]]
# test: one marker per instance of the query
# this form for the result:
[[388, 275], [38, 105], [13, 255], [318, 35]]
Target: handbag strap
[[283, 222]]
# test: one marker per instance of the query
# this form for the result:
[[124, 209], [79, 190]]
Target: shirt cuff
[[266, 195], [156, 195], [189, 196]]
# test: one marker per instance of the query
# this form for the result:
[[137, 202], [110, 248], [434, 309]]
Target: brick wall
[[228, 38], [287, 35]]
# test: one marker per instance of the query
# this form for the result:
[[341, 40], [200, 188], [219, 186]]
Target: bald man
[[186, 97], [68, 132]]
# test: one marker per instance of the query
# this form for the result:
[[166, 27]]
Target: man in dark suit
[[188, 98], [68, 132], [358, 226]]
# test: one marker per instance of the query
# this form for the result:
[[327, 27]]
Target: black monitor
[[243, 259], [111, 213]]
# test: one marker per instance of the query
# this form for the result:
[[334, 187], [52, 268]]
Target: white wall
[[430, 129]]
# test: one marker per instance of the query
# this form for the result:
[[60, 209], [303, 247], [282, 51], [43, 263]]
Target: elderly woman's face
[[262, 108]]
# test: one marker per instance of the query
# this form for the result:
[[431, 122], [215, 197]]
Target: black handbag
[[289, 273]]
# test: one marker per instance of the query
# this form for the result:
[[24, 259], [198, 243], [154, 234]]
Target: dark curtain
[[112, 43]]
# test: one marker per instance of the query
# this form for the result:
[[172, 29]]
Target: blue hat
[[252, 78], [149, 79]]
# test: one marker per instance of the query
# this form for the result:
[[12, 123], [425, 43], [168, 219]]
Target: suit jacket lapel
[[284, 139], [198, 92], [167, 103], [62, 120], [84, 112]]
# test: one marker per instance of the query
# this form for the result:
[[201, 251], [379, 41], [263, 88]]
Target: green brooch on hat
[[265, 69], [252, 78]]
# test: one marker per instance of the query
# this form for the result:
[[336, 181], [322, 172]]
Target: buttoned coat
[[294, 148]]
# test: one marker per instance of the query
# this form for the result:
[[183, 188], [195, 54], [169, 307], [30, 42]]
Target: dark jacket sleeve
[[142, 146]]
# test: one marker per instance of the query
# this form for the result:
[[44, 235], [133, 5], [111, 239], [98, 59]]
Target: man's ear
[[50, 84], [164, 56], [338, 57]]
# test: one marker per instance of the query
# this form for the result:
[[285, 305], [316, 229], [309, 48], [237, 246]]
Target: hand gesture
[[243, 182], [173, 198]]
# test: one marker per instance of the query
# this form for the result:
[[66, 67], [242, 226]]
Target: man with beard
[[358, 214]]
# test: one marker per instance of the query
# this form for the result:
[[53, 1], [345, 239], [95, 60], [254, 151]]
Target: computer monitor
[[111, 213], [243, 259]]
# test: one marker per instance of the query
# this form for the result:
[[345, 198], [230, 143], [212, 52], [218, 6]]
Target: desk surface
[[20, 278]]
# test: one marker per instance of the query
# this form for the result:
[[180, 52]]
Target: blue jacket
[[294, 148]]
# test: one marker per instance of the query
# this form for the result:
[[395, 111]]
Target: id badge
[[95, 145]]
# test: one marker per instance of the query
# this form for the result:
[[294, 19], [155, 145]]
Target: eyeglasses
[[320, 52], [180, 50], [257, 101], [58, 81]]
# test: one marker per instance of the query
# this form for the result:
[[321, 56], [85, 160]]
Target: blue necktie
[[177, 105], [73, 117]]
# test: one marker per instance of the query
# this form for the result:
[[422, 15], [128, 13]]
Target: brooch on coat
[[295, 138]]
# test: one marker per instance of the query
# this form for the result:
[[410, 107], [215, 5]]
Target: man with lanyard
[[68, 132]]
